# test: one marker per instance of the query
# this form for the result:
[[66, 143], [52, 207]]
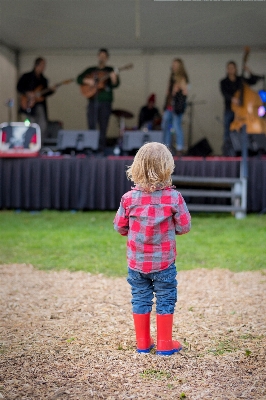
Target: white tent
[[146, 32]]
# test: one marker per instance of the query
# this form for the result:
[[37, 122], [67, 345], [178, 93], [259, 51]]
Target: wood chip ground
[[70, 336]]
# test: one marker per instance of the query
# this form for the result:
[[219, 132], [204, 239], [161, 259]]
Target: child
[[150, 215]]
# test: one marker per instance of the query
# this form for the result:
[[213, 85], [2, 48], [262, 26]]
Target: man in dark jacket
[[32, 103], [99, 82]]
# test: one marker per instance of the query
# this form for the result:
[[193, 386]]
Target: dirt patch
[[70, 336]]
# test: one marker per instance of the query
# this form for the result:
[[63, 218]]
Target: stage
[[76, 183]]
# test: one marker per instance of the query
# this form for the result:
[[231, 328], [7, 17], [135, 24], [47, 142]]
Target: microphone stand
[[9, 103], [191, 105]]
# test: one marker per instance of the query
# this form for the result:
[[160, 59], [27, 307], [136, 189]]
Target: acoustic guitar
[[99, 77], [28, 100]]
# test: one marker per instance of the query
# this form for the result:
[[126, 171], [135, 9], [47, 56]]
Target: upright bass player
[[229, 87]]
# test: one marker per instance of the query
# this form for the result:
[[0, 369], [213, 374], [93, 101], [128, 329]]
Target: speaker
[[51, 134], [200, 149], [78, 141], [133, 140], [256, 144], [53, 127]]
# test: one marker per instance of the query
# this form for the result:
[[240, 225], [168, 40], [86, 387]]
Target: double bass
[[246, 111]]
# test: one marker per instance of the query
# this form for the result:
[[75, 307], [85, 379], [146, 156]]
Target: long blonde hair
[[181, 74], [152, 167]]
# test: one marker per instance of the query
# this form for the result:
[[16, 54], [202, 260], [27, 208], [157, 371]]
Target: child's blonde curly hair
[[152, 167]]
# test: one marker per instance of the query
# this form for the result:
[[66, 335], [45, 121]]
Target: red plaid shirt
[[151, 221]]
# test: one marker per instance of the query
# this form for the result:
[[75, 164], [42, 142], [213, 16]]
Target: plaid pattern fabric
[[151, 221]]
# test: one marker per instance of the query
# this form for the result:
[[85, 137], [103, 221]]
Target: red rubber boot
[[142, 328], [165, 345]]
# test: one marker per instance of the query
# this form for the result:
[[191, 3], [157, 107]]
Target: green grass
[[86, 241]]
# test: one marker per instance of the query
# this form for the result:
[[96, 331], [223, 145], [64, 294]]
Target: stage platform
[[78, 183]]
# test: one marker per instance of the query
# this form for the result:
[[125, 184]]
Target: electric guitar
[[28, 100]]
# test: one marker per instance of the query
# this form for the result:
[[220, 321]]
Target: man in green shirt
[[97, 85]]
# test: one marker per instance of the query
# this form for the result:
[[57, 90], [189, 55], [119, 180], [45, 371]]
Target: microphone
[[9, 103]]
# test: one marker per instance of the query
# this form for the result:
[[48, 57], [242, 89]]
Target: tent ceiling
[[131, 24]]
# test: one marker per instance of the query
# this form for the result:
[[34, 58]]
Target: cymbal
[[122, 113]]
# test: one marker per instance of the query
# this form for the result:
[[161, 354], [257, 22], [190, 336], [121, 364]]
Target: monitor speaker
[[200, 149], [256, 144], [77, 141], [133, 140], [50, 137]]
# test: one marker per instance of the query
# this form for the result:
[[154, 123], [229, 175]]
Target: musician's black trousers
[[99, 113], [228, 118]]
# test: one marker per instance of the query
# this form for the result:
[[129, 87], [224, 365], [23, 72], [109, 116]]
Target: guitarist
[[28, 85], [100, 104]]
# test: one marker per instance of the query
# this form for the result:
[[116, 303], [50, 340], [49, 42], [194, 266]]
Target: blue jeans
[[170, 119], [143, 287]]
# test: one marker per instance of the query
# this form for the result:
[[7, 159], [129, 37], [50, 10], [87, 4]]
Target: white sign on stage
[[18, 139]]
